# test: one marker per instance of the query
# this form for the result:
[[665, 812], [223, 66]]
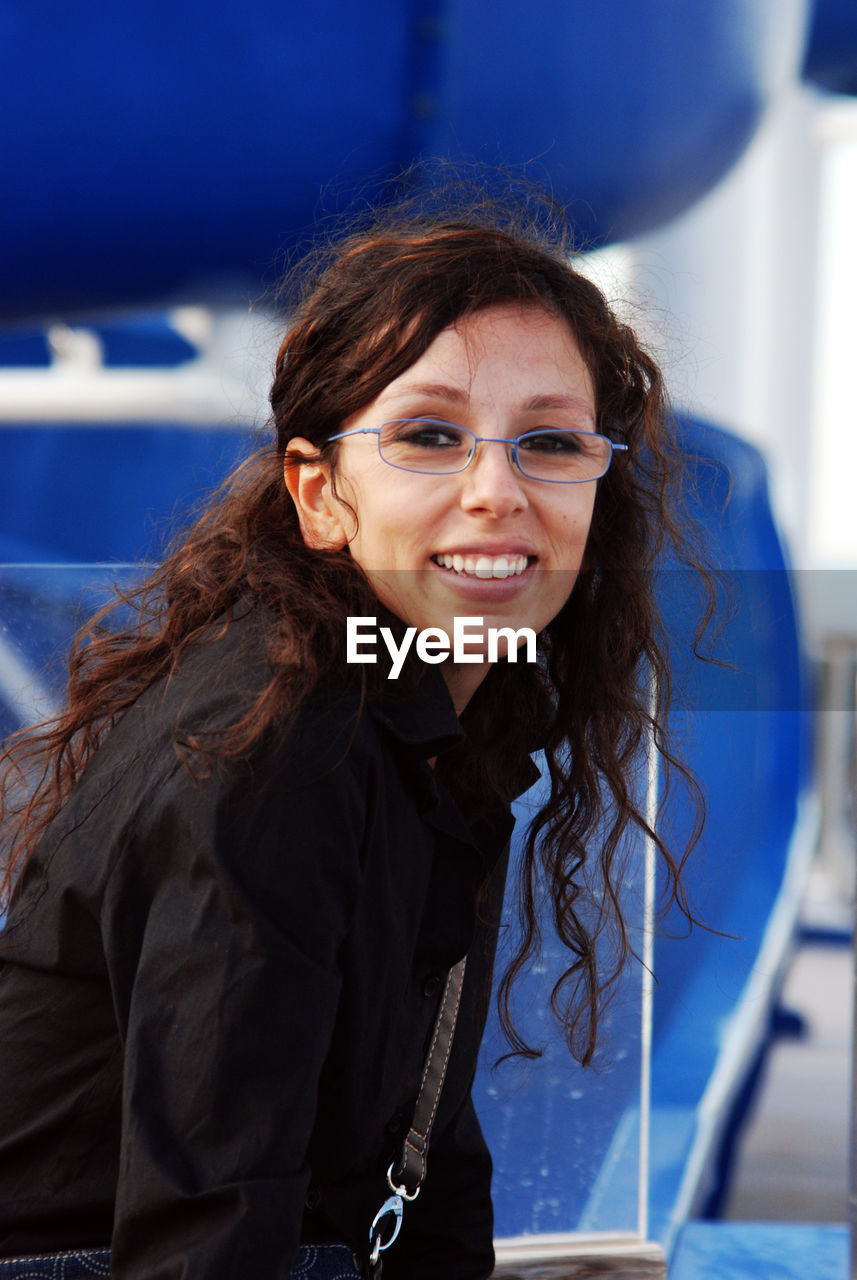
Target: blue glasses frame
[[512, 444]]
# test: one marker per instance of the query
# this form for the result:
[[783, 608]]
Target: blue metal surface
[[102, 493], [156, 151], [744, 726], [761, 1251], [831, 53], [634, 110], [747, 735]]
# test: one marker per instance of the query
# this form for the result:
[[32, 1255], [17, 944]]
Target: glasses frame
[[615, 447]]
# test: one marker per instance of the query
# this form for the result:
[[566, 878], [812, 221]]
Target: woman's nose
[[492, 482]]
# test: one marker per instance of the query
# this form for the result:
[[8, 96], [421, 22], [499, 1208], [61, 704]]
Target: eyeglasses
[[437, 448]]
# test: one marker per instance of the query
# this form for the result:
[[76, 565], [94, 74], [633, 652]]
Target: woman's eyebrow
[[566, 401], [433, 391]]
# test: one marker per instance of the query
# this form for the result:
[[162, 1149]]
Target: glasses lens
[[424, 444], [563, 456]]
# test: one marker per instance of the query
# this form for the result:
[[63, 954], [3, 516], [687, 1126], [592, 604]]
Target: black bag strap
[[411, 1168], [406, 1176]]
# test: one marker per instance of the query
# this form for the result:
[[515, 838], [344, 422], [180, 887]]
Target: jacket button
[[313, 1198], [396, 1123], [431, 986]]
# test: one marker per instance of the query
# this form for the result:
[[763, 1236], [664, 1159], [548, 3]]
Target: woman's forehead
[[521, 350]]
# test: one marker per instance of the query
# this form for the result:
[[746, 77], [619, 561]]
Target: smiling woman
[[250, 860]]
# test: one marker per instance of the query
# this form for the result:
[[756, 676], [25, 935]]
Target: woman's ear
[[310, 485]]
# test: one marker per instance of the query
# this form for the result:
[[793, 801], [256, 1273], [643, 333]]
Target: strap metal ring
[[402, 1190]]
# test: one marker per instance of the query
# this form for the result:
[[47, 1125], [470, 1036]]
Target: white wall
[[750, 300], [733, 287]]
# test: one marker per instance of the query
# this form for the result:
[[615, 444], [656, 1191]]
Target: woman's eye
[[550, 442], [429, 435]]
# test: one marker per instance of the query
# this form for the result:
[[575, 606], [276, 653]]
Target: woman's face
[[503, 371]]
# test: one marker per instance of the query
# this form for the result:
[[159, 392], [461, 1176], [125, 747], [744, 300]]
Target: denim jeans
[[314, 1262]]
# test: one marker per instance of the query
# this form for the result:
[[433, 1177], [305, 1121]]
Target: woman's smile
[[483, 564]]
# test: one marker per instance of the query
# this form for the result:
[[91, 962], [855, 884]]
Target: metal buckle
[[394, 1204]]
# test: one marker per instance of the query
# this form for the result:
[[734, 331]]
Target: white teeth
[[483, 566]]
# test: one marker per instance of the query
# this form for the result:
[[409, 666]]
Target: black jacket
[[216, 991]]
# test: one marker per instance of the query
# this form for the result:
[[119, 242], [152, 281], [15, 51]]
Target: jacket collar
[[417, 710], [421, 716]]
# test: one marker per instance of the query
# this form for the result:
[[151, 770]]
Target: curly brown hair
[[371, 304]]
